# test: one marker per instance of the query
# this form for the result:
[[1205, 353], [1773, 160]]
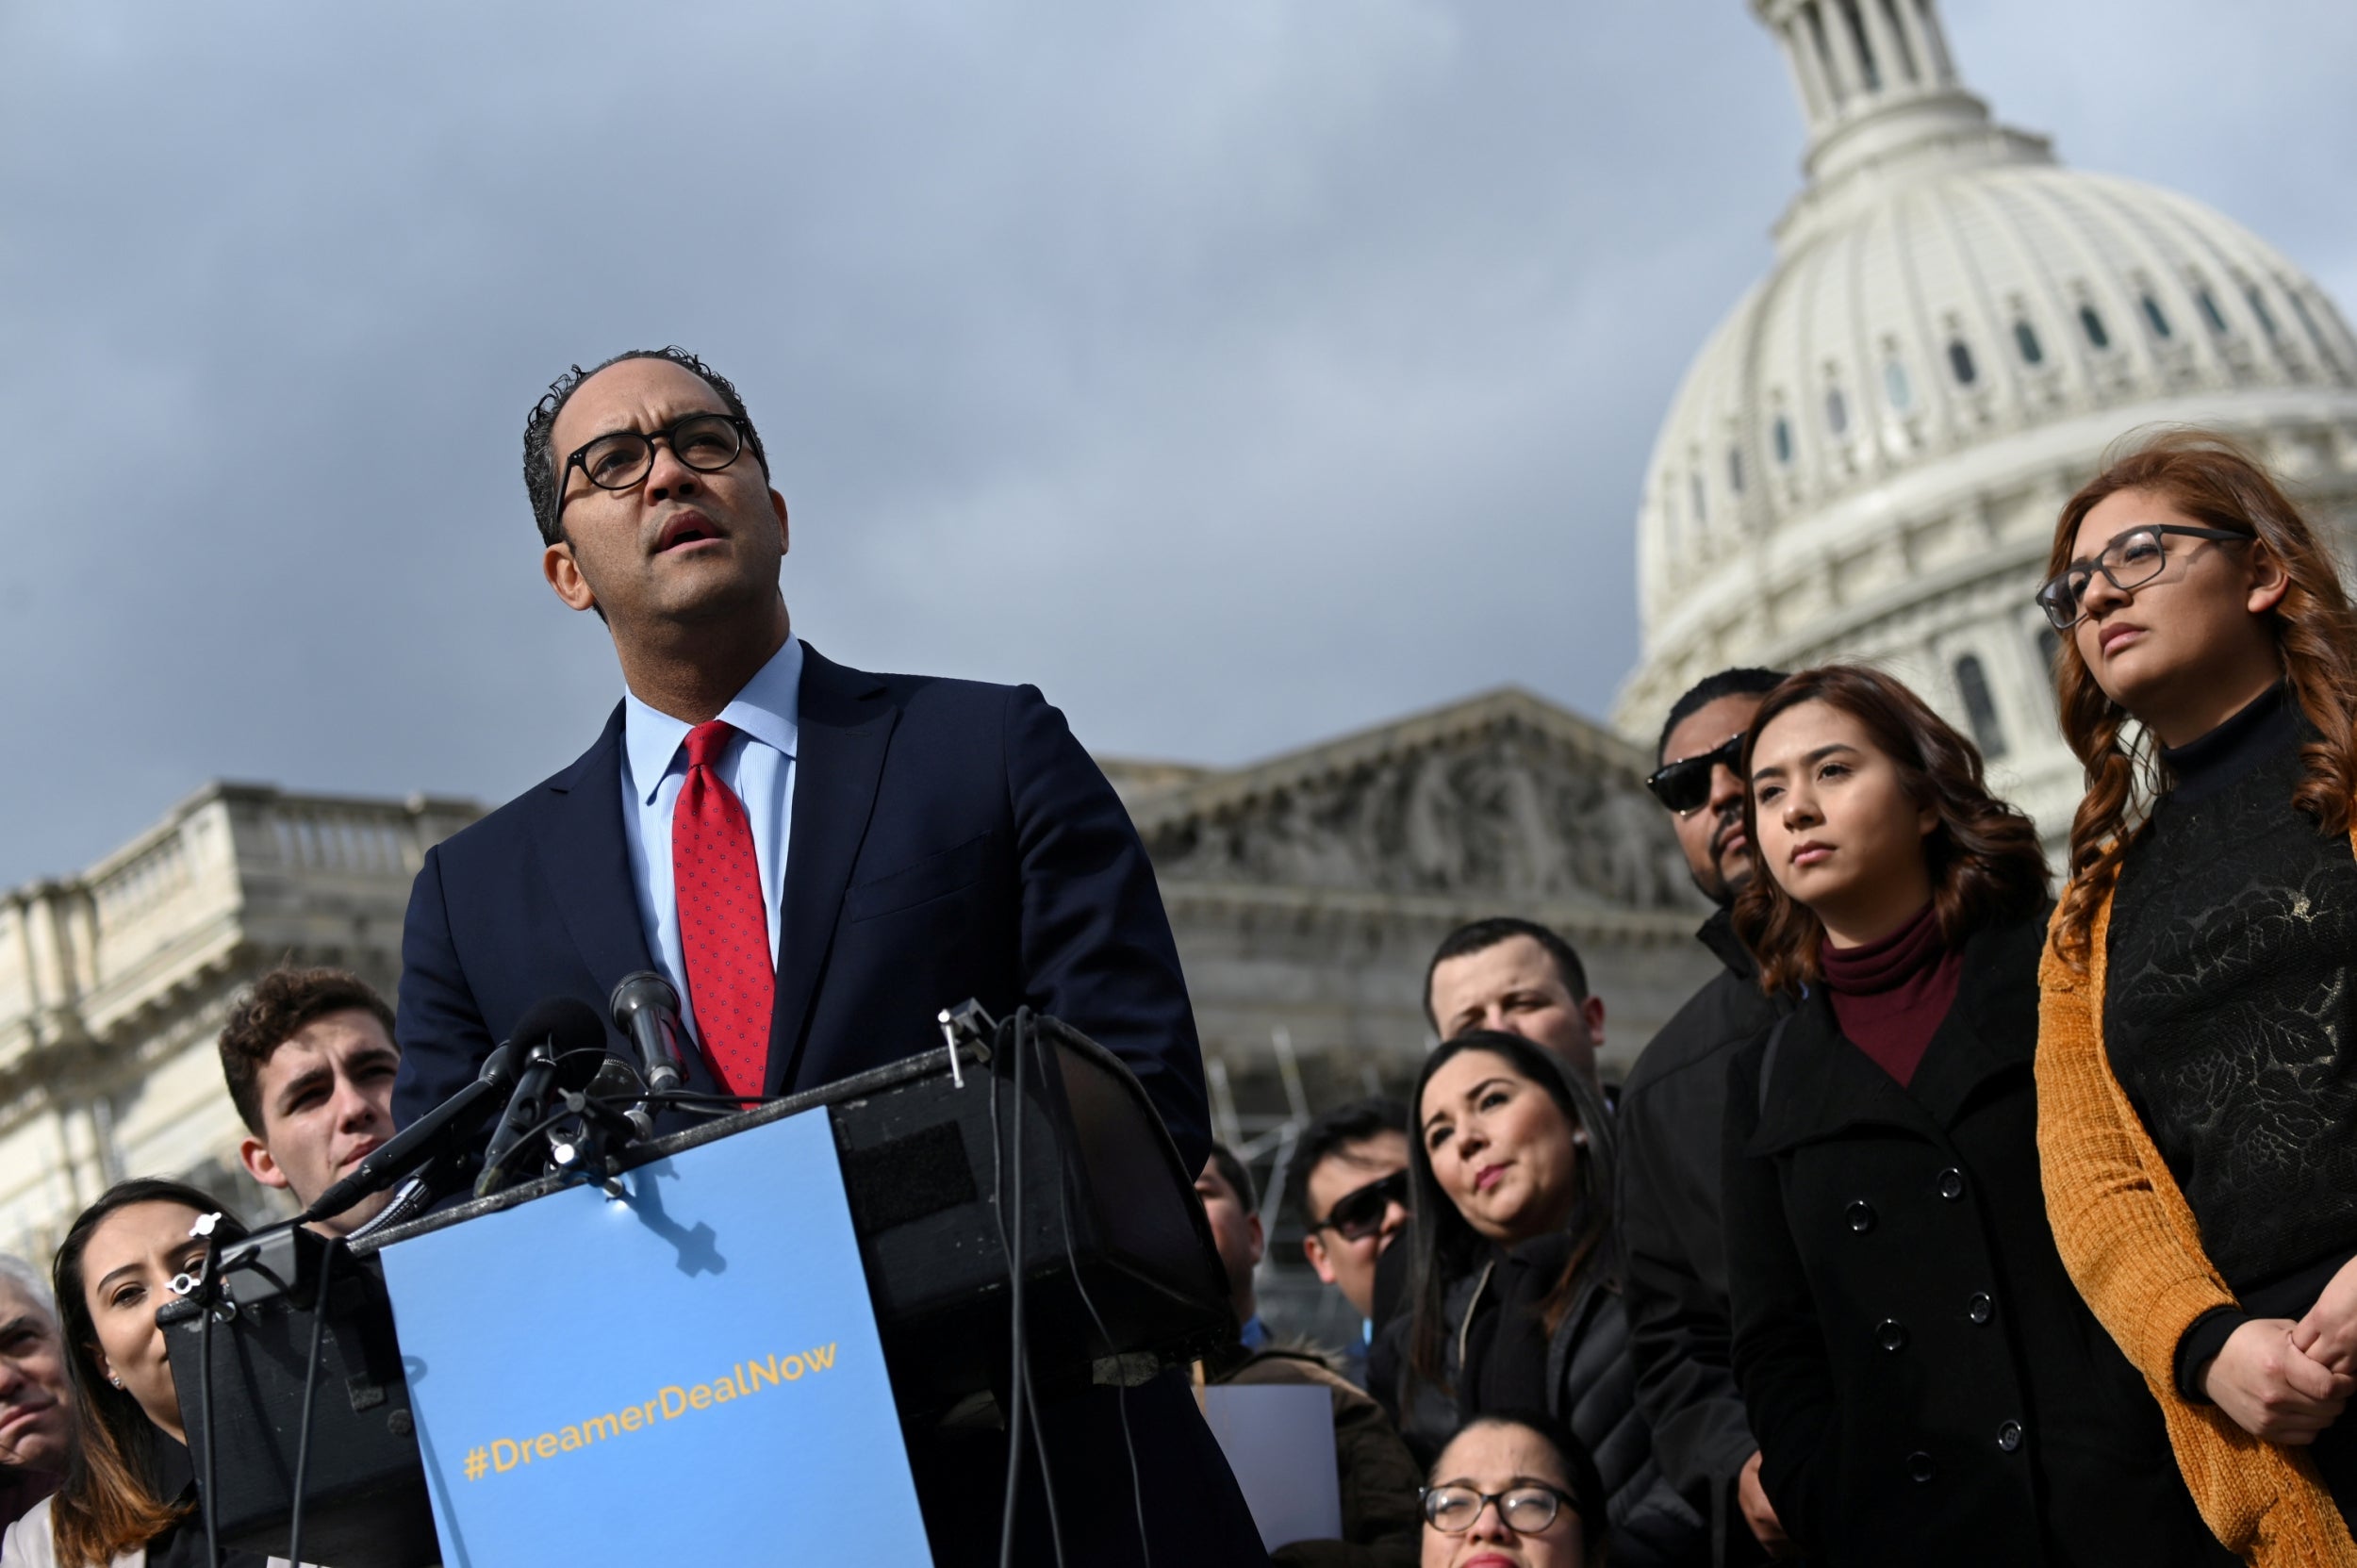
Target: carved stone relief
[[1509, 811]]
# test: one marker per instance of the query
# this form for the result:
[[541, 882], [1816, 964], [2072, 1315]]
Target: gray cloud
[[1239, 372]]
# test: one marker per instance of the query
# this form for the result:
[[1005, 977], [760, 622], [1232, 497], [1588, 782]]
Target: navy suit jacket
[[949, 839]]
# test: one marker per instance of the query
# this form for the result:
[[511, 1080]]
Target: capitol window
[[2210, 311], [1895, 384], [1734, 469], [1783, 435], [2153, 313], [2026, 338], [1701, 506], [2259, 308], [2092, 324], [1836, 411], [1960, 361], [1979, 708]]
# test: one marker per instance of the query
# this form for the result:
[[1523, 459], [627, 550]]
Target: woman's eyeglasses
[[1684, 785], [1358, 1215], [2128, 562], [1527, 1509]]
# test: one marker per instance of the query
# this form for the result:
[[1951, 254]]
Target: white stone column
[[1800, 52], [1848, 69], [1889, 54]]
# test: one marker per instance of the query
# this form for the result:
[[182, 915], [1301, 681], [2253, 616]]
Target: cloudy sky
[[1242, 372]]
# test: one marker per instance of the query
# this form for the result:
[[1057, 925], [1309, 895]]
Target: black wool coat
[[1926, 1385]]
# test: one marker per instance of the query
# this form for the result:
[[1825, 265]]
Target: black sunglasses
[[1358, 1214], [1684, 785]]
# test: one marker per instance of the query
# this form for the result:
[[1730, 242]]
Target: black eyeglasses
[[1358, 1214], [1529, 1508], [705, 442], [2130, 561], [1684, 785]]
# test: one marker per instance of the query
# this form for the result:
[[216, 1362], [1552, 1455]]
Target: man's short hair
[[267, 1013], [30, 1282], [1346, 1127], [545, 485], [1483, 934], [1231, 1170], [1743, 681]]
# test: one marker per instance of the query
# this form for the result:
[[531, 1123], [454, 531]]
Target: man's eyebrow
[[307, 1078], [23, 1323]]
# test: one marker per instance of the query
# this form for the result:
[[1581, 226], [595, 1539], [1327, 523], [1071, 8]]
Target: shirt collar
[[768, 709]]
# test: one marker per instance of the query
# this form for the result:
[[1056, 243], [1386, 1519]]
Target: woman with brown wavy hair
[[2199, 1096], [1926, 1384]]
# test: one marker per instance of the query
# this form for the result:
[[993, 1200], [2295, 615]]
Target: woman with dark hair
[[2196, 1082], [1515, 1300], [130, 1496], [1513, 1488], [1926, 1385]]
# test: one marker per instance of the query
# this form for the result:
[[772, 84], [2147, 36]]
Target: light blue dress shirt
[[757, 764]]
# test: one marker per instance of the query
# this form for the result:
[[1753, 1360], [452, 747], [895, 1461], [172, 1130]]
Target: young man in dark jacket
[[1669, 1119]]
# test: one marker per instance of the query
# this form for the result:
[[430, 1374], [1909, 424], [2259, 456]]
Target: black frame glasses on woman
[[1684, 785], [2132, 559], [1358, 1212], [706, 443], [1528, 1507]]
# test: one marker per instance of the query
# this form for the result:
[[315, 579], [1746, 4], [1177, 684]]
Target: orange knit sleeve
[[2132, 1245]]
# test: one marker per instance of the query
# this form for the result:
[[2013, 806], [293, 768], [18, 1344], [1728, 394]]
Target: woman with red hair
[[2198, 1090]]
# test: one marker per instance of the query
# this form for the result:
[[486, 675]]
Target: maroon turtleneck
[[1890, 996]]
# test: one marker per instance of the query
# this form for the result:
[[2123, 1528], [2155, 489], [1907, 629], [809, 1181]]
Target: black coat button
[[1891, 1334], [1860, 1214], [1952, 1183], [1980, 1309], [2010, 1436], [1919, 1465]]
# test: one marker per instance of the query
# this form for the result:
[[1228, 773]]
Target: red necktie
[[724, 932]]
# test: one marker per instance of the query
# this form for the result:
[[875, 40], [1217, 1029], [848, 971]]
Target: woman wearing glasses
[[1514, 1490], [2199, 1097], [1516, 1304], [1926, 1384]]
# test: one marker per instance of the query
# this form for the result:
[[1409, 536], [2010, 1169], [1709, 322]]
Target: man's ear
[[563, 574], [255, 1156], [1314, 1248], [1259, 1238], [786, 536], [1593, 1012]]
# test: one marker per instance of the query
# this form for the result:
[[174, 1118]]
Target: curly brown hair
[[1984, 856], [2213, 481], [270, 1011]]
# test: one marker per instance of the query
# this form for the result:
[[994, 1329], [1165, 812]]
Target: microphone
[[617, 1080], [562, 1041], [646, 1008], [462, 1111]]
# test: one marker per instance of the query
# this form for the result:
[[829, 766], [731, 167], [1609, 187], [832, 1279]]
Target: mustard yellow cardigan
[[2129, 1239]]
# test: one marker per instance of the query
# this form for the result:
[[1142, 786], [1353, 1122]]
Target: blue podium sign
[[689, 1374]]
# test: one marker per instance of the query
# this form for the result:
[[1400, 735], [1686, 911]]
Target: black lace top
[[2230, 1008]]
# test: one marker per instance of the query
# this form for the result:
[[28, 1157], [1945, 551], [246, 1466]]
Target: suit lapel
[[846, 725], [578, 834]]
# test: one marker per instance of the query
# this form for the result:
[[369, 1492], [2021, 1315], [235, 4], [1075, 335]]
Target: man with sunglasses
[[819, 859], [1671, 1110], [1354, 1183]]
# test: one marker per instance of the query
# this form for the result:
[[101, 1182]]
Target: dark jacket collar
[[1718, 934], [1821, 1083]]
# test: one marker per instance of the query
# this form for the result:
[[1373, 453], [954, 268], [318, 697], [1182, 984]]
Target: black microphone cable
[[310, 1394], [1019, 1371], [206, 1499], [1121, 1390]]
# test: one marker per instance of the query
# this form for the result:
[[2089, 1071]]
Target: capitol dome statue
[[1866, 457]]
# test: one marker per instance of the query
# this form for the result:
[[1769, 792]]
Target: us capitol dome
[[1866, 458]]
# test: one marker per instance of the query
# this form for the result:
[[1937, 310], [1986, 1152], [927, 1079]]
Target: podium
[[745, 1323]]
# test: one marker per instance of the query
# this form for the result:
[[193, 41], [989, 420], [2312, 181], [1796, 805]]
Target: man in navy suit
[[820, 860]]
